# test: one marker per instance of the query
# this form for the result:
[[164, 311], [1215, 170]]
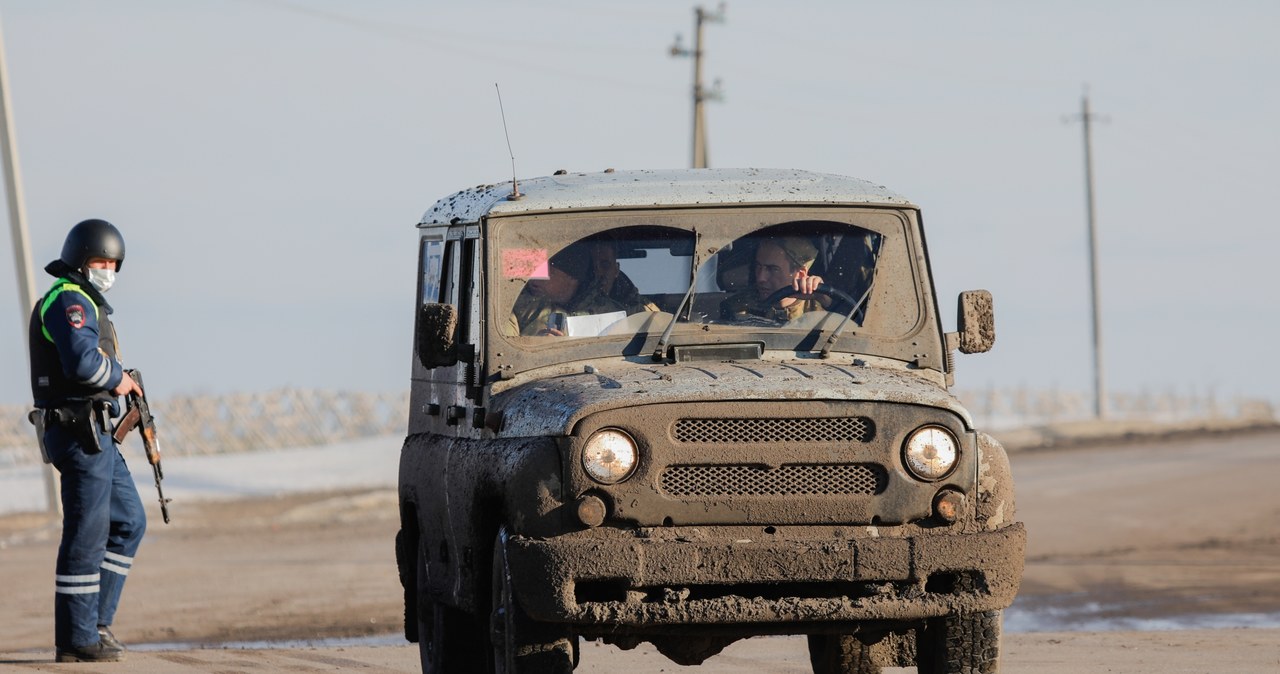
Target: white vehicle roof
[[668, 187]]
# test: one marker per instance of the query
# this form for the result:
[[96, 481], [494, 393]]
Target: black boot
[[98, 652], [108, 639]]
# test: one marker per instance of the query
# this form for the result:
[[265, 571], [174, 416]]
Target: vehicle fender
[[461, 490], [995, 503]]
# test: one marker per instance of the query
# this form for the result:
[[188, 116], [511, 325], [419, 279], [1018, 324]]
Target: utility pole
[[1086, 117], [701, 16], [21, 239]]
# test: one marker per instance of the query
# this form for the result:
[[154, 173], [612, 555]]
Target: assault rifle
[[138, 413]]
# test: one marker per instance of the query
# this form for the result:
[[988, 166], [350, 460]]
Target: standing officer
[[76, 375]]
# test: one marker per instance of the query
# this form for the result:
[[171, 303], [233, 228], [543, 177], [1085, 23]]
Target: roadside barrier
[[1003, 409], [241, 422]]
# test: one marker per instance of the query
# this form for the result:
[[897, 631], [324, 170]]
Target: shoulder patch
[[75, 316]]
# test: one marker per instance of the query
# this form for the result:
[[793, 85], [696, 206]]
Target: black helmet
[[93, 238]]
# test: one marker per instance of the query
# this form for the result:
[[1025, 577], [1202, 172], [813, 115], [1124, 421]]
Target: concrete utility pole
[[21, 239], [699, 94], [1099, 381]]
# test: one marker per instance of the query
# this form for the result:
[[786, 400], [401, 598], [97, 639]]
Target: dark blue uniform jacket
[[73, 345]]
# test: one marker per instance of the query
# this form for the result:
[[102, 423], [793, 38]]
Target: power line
[[460, 44]]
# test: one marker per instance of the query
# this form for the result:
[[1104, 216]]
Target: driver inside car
[[780, 262]]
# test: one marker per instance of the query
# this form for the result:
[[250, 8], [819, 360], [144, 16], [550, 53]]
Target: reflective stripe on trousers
[[102, 526]]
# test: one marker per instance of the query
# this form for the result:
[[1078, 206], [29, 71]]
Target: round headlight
[[610, 456], [930, 452]]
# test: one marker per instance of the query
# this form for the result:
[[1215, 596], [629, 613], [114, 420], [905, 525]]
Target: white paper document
[[592, 325]]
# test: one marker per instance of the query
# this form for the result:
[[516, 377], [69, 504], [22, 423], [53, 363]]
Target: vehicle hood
[[552, 406]]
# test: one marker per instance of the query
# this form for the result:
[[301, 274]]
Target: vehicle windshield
[[566, 280]]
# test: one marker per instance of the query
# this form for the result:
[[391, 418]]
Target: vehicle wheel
[[448, 641], [521, 645], [840, 654], [968, 643]]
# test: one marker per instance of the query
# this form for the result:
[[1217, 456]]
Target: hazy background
[[267, 160]]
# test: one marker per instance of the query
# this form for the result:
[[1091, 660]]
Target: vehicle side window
[[449, 272], [468, 307], [432, 271]]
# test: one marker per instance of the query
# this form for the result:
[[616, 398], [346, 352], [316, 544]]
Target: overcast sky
[[268, 159]]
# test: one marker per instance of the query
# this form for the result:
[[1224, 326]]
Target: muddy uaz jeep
[[689, 407]]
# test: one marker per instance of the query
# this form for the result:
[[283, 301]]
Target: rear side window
[[432, 271]]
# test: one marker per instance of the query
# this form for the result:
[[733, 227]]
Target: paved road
[[1140, 532], [1236, 651]]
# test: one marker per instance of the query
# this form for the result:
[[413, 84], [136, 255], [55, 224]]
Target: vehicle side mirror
[[976, 321], [435, 339]]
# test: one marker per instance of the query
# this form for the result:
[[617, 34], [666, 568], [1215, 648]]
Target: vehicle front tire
[[448, 640], [521, 645], [840, 654], [968, 643]]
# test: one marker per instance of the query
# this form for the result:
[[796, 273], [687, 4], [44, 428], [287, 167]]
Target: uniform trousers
[[102, 526]]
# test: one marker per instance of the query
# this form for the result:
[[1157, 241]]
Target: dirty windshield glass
[[779, 279]]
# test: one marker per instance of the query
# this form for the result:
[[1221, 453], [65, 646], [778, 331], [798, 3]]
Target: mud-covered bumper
[[661, 577]]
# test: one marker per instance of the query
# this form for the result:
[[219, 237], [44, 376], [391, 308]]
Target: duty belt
[[86, 419]]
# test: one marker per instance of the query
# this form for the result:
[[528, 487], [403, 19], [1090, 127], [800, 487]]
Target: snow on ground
[[370, 462]]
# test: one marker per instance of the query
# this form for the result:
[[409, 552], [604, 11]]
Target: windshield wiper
[[658, 353], [835, 334]]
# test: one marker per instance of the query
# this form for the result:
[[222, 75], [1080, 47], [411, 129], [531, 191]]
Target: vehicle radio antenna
[[515, 187]]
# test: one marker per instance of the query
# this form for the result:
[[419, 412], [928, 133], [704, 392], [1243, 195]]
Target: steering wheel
[[841, 303]]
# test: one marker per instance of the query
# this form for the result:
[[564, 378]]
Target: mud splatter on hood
[[552, 406]]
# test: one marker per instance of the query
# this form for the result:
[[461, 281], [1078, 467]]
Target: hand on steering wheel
[[841, 301]]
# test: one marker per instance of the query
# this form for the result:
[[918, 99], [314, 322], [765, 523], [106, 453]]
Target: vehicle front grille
[[823, 479], [830, 429]]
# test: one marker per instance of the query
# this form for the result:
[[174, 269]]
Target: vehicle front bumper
[[684, 576]]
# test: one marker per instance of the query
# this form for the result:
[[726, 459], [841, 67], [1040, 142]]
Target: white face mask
[[102, 279]]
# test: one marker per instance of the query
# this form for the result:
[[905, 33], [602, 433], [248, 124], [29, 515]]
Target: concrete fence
[[192, 425], [1021, 408]]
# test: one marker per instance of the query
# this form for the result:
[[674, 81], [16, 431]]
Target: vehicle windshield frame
[[714, 227]]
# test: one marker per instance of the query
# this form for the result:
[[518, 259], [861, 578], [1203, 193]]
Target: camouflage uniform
[[624, 292], [530, 313]]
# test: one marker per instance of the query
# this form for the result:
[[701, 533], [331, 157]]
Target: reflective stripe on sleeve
[[102, 375]]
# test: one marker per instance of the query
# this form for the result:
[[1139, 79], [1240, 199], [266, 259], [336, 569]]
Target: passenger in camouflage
[[610, 280], [568, 290], [779, 262]]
